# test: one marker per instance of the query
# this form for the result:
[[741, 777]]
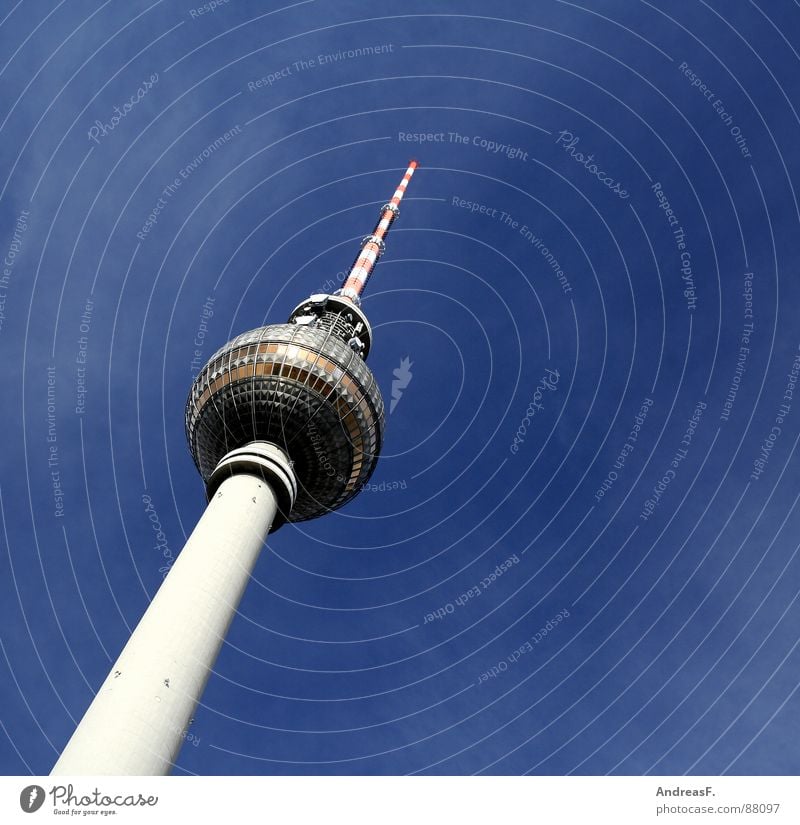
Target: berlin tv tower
[[285, 423]]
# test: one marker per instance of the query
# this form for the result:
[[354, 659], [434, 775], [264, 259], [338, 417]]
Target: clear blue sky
[[595, 392]]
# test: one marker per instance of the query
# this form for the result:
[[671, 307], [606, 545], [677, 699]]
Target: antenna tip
[[413, 163]]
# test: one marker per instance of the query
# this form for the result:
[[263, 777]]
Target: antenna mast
[[372, 246]]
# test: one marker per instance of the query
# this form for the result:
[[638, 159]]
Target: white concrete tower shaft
[[139, 718]]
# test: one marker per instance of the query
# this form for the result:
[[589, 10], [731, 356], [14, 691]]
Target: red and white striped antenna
[[372, 246]]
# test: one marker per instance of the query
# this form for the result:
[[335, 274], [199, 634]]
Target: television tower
[[285, 423]]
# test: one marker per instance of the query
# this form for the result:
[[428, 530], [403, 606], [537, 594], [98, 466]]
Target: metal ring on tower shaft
[[376, 240], [393, 208], [264, 459]]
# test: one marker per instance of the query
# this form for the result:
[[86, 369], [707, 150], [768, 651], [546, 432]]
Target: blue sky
[[594, 279]]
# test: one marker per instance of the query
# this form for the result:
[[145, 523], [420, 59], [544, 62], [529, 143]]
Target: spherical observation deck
[[304, 386]]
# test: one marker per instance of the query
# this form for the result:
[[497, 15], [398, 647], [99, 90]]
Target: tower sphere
[[304, 386]]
